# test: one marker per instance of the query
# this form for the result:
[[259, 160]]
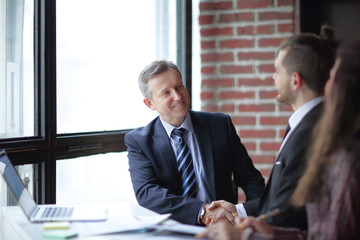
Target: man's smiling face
[[169, 97]]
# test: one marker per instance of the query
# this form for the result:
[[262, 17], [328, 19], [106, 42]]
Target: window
[[94, 179], [17, 77], [68, 70], [99, 58], [16, 69]]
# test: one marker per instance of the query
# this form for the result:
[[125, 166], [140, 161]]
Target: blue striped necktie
[[185, 163]]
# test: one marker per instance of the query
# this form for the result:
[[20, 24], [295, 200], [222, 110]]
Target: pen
[[264, 216]]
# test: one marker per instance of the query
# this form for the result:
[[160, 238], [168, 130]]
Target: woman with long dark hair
[[331, 185]]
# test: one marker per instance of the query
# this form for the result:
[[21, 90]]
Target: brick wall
[[239, 40]]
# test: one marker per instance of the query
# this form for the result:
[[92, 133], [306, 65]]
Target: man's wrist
[[202, 213]]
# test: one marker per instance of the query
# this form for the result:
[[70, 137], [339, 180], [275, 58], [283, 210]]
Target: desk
[[18, 227]]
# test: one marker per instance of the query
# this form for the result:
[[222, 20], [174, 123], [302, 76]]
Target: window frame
[[47, 146]]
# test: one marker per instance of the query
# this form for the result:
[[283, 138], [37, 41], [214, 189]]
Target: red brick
[[220, 82], [250, 146], [274, 120], [227, 108], [265, 29], [207, 70], [289, 27], [285, 3], [206, 19], [243, 120], [205, 6], [255, 55], [226, 69], [217, 57], [236, 95], [255, 82], [256, 107], [205, 32], [247, 30], [266, 68], [237, 43], [275, 16], [268, 94], [263, 158], [210, 108], [270, 146], [270, 42], [207, 95], [241, 4], [207, 44], [257, 133], [236, 17]]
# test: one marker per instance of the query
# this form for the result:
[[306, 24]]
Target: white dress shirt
[[203, 189]]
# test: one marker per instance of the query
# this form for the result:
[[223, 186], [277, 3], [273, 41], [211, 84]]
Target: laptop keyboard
[[57, 212]]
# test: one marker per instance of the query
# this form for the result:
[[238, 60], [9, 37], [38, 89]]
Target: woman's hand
[[223, 230], [257, 225]]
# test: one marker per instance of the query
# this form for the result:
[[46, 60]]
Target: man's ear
[[296, 80], [149, 103]]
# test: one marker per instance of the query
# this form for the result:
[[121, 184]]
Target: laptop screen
[[14, 182]]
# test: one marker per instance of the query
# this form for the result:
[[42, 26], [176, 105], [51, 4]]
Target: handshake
[[232, 226], [218, 211]]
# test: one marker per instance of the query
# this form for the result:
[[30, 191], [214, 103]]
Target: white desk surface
[[119, 209]]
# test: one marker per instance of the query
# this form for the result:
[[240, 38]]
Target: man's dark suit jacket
[[154, 174], [288, 168]]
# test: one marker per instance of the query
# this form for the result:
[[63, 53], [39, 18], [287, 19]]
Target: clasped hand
[[218, 211], [229, 226]]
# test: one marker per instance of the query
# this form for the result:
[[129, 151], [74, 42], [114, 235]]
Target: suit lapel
[[310, 117], [165, 153], [203, 138]]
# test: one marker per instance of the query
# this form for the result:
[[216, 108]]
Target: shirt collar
[[298, 115], [187, 124]]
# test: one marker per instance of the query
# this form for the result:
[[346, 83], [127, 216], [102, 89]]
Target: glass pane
[[16, 68], [96, 179], [101, 48]]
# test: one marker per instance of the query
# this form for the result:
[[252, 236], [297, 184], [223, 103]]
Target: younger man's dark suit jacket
[[287, 170], [154, 174]]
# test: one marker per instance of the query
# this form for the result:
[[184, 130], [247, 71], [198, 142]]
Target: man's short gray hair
[[150, 71]]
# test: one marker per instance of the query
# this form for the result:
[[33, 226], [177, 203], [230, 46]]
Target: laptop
[[45, 212]]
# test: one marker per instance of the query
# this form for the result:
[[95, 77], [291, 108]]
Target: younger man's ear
[[149, 103], [296, 80]]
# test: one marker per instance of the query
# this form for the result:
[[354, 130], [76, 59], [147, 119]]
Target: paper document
[[119, 224], [153, 220], [159, 222], [174, 226]]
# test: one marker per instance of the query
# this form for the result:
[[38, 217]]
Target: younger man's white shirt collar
[[299, 114]]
